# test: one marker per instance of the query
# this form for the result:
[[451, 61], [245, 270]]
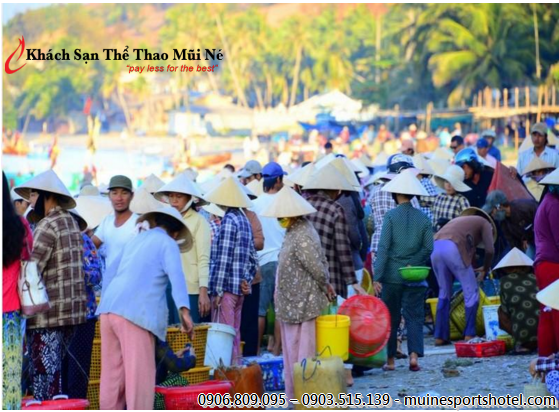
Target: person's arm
[[257, 232], [91, 265], [43, 245], [548, 364], [172, 266], [383, 248], [311, 256], [203, 248], [488, 242], [171, 361], [343, 248]]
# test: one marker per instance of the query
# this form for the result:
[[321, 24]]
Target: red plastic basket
[[480, 350], [186, 397], [370, 325], [57, 404]]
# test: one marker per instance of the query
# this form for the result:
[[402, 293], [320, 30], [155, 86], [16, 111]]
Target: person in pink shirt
[[18, 243]]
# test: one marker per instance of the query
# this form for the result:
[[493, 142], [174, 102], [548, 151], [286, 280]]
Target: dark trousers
[[408, 301], [249, 322], [76, 364]]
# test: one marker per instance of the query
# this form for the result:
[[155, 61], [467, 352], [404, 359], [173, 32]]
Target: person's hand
[[524, 245], [358, 289], [330, 292], [377, 286], [480, 274], [204, 305], [187, 326], [245, 288], [217, 302], [533, 367], [189, 348]]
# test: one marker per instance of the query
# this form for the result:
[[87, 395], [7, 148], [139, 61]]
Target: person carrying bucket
[[303, 288], [406, 240]]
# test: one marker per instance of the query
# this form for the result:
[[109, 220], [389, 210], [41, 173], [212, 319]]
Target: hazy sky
[[9, 10]]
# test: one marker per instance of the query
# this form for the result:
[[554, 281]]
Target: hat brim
[[65, 202], [163, 197], [455, 183], [185, 235], [475, 211], [550, 295]]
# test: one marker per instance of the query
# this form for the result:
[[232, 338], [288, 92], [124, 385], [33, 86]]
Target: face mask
[[500, 215], [538, 178], [284, 222]]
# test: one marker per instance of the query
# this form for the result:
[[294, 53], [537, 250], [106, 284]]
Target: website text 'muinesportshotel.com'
[[481, 401]]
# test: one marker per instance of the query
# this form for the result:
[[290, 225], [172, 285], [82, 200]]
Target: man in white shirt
[[116, 230], [540, 149], [269, 256]]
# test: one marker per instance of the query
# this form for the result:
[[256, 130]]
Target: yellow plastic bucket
[[332, 335]]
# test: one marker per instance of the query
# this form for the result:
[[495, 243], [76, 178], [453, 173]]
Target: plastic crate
[[55, 404], [97, 330], [93, 394], [186, 397], [272, 371], [177, 341], [197, 375], [480, 350], [95, 368]]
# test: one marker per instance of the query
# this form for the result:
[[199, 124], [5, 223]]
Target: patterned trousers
[[47, 348], [12, 354]]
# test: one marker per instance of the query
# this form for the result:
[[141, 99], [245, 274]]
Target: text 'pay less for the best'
[[182, 69]]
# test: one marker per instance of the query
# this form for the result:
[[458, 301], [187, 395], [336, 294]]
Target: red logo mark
[[7, 65]]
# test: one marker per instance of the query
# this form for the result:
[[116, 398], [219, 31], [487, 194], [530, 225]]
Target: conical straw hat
[[420, 163], [180, 184], [366, 160], [443, 153], [476, 211], [346, 168], [82, 223], [251, 195], [89, 190], [406, 183], [381, 159], [362, 170], [514, 258], [288, 203], [550, 296], [94, 209], [439, 165], [229, 193], [455, 176], [536, 164], [214, 210], [328, 178], [325, 160], [49, 182], [144, 202], [152, 183], [301, 176], [15, 196], [185, 236], [256, 187], [551, 179], [377, 177]]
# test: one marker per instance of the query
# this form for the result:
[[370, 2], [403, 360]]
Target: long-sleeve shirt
[[545, 230], [134, 287], [331, 225], [232, 257], [196, 262], [358, 235], [448, 207], [167, 361], [547, 364], [58, 250], [258, 238], [519, 226], [478, 194], [406, 240]]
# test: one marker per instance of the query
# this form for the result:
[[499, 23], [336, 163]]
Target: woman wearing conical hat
[[182, 193], [302, 280], [57, 249], [533, 174], [406, 240], [450, 204], [518, 313]]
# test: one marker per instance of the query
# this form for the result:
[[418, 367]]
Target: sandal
[[401, 355], [387, 368], [414, 367]]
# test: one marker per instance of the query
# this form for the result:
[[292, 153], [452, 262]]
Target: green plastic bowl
[[414, 273]]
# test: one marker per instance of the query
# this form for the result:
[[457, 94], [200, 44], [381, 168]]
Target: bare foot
[[270, 343], [348, 378]]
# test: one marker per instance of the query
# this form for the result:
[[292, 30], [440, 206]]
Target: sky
[[9, 10]]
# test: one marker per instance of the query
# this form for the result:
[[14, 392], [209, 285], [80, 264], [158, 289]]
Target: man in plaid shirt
[[233, 259], [325, 186]]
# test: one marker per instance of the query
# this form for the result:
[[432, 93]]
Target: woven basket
[[197, 375], [93, 394], [95, 368], [178, 340], [536, 388]]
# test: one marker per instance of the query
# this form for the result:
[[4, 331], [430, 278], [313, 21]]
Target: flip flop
[[387, 368], [415, 368]]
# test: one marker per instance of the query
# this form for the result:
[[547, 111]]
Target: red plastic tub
[[58, 403], [480, 350], [186, 397], [370, 325]]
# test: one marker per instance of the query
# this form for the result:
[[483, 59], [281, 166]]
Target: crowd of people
[[228, 250]]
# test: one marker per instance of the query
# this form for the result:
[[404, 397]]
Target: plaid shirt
[[382, 202], [58, 249], [426, 202], [448, 207], [548, 365], [233, 256], [331, 226]]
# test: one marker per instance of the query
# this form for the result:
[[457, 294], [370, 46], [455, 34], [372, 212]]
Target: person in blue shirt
[[133, 308], [491, 136]]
